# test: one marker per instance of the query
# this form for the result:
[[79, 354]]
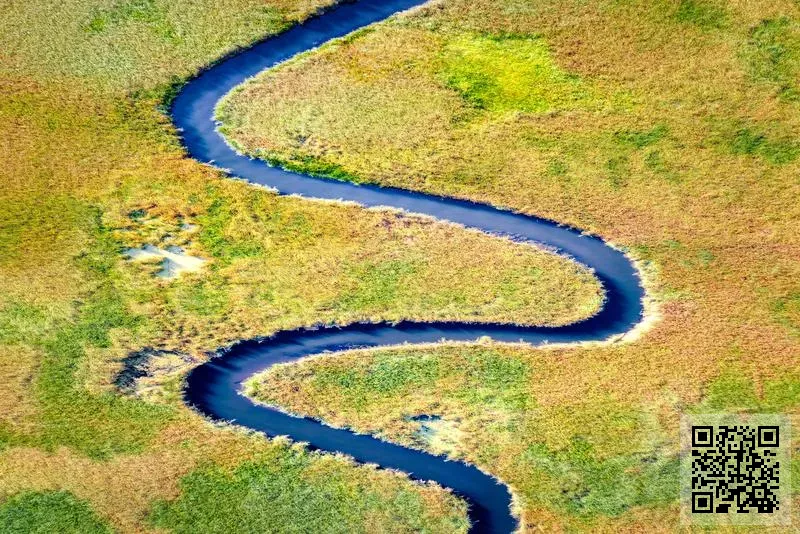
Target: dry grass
[[92, 167], [679, 144], [671, 130], [136, 45], [124, 489]]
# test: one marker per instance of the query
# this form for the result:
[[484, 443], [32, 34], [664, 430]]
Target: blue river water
[[214, 387]]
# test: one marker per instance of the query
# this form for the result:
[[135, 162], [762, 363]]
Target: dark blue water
[[213, 388]]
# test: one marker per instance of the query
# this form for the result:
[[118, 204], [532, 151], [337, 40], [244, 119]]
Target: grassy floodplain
[[91, 168], [671, 128]]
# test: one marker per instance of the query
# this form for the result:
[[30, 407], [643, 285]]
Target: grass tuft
[[311, 165], [150, 13]]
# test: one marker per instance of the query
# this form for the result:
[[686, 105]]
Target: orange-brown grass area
[[669, 128], [92, 167]]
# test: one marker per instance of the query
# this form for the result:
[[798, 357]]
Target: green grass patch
[[151, 13], [772, 55], [389, 375], [618, 170], [748, 141], [705, 257], [311, 165], [293, 489], [586, 460], [639, 139], [575, 481], [625, 146], [205, 298], [216, 236], [656, 163], [484, 378], [44, 513], [104, 424], [22, 322], [557, 167], [786, 311], [133, 44], [492, 379], [733, 390], [391, 372], [99, 425], [509, 74], [701, 13], [376, 284], [730, 391]]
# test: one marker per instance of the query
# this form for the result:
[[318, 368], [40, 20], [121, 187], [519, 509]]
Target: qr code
[[737, 469]]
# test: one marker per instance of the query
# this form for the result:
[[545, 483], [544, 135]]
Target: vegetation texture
[[42, 513], [300, 492], [669, 127], [92, 167]]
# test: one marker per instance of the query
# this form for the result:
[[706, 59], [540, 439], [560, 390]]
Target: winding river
[[214, 387]]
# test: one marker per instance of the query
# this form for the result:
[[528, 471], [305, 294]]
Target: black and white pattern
[[735, 469]]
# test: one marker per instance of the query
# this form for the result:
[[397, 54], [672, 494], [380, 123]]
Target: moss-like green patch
[[772, 55], [509, 73], [747, 141], [216, 225], [701, 13], [45, 513], [641, 138], [150, 13], [206, 298], [618, 170], [104, 424]]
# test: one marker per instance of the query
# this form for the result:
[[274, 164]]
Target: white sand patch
[[173, 260], [440, 435]]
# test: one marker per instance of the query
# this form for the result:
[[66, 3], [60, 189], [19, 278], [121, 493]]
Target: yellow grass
[[92, 167], [679, 144]]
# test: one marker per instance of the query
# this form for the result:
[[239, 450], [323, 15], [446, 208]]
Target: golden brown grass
[[92, 167], [57, 201], [684, 152]]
